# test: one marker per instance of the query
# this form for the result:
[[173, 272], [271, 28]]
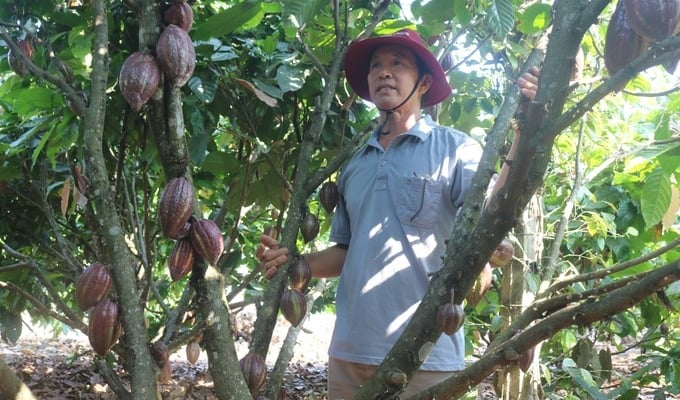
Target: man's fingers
[[269, 241]]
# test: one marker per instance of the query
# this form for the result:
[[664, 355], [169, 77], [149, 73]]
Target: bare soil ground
[[59, 367]]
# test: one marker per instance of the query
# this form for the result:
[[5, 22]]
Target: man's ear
[[425, 83]]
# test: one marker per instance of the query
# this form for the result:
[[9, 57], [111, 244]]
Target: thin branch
[[653, 94]]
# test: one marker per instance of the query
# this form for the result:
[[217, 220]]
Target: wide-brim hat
[[358, 57]]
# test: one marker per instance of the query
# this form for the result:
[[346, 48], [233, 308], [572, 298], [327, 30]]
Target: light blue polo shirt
[[396, 209]]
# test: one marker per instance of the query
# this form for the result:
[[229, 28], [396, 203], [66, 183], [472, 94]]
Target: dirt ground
[[59, 367]]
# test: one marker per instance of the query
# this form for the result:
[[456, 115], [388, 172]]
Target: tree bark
[[11, 387]]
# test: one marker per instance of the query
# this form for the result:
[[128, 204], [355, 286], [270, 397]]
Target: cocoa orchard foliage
[[145, 145]]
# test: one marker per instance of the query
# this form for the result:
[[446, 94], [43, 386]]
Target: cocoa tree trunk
[[11, 387]]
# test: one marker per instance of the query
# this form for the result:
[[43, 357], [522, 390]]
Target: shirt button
[[383, 163]]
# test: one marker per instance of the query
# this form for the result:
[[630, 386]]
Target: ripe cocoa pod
[[254, 370], [525, 359], [15, 62], [480, 287], [166, 373], [207, 240], [653, 19], [175, 207], [622, 44], [179, 13], [139, 79], [176, 55], [293, 306], [193, 350], [104, 327], [328, 196], [160, 354], [309, 227], [503, 254], [299, 274], [93, 285], [181, 259], [450, 317]]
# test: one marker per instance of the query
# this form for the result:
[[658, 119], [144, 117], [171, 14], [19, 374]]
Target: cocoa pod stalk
[[93, 285]]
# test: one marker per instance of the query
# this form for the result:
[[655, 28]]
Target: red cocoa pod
[[254, 370], [525, 359], [207, 240], [104, 327], [166, 373], [181, 259], [622, 44], [15, 62], [193, 350], [503, 254], [450, 317], [176, 55], [139, 79], [480, 287], [93, 285], [175, 207], [328, 196], [309, 227], [160, 353], [653, 19], [293, 306], [179, 13], [299, 274]]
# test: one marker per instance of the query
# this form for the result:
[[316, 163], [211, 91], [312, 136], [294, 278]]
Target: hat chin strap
[[391, 111]]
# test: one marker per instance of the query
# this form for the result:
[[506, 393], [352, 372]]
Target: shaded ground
[[60, 367]]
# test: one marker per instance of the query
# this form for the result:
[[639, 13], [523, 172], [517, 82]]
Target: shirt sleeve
[[340, 227], [468, 155]]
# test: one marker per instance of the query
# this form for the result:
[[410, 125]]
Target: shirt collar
[[421, 130]]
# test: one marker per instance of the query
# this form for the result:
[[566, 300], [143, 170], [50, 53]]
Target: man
[[399, 196]]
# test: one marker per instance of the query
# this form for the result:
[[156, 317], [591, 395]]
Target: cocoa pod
[[166, 373], [328, 196], [15, 62], [653, 19], [179, 13], [207, 240], [160, 353], [299, 274], [480, 287], [254, 370], [139, 78], [176, 55], [293, 306], [104, 327], [525, 359], [622, 44], [175, 207], [193, 350], [309, 227], [181, 259], [503, 254], [93, 285], [450, 317]]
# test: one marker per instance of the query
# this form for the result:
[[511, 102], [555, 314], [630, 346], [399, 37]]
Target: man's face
[[392, 74]]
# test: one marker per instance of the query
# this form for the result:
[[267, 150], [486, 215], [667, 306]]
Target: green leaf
[[290, 78], [241, 16], [463, 14], [204, 90], [535, 19], [501, 17], [656, 197], [301, 12]]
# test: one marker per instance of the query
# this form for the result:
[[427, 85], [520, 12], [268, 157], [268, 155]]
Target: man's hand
[[271, 255], [528, 83]]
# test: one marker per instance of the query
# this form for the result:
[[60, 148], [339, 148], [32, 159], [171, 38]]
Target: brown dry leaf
[[65, 192], [268, 100]]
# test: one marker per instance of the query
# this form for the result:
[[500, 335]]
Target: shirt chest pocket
[[419, 201]]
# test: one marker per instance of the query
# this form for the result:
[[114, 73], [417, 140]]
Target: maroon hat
[[358, 58]]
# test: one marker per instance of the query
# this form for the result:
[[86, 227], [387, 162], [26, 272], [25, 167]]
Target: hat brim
[[356, 66]]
